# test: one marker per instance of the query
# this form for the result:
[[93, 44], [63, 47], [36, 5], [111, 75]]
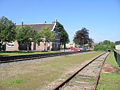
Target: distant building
[[55, 45], [70, 45], [117, 47]]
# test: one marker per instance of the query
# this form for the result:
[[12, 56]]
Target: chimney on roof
[[22, 22], [45, 21], [56, 20]]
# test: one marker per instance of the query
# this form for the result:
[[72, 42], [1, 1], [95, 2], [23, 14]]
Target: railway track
[[86, 78], [17, 58]]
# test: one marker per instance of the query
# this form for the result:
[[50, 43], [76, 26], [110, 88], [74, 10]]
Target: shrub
[[105, 45], [100, 47]]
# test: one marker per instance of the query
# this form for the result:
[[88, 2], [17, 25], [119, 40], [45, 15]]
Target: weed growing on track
[[16, 82]]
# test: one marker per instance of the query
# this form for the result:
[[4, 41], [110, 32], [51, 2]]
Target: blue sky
[[100, 17]]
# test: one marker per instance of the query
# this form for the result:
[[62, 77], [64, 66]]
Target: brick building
[[55, 45]]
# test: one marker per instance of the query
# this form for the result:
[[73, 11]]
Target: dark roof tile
[[38, 27]]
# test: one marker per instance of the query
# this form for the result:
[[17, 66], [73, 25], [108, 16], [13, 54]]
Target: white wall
[[117, 47]]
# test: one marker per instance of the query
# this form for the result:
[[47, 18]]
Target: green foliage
[[7, 30], [64, 38], [36, 37], [106, 42], [105, 45], [100, 47], [117, 42], [82, 37], [90, 41], [47, 35], [24, 34], [14, 82], [2, 47]]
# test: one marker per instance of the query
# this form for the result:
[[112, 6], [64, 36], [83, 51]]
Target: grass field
[[119, 51], [12, 53], [111, 60], [110, 81], [34, 76]]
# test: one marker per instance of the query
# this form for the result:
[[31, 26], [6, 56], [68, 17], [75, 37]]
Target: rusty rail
[[99, 74], [69, 78]]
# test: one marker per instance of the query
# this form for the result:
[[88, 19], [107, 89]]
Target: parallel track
[[17, 58], [86, 78]]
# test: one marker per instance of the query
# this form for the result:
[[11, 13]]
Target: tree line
[[82, 38], [105, 45], [26, 34]]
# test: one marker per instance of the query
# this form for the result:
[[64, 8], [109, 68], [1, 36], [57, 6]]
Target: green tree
[[90, 41], [105, 45], [24, 35], [64, 38], [47, 36], [112, 45], [36, 38], [106, 42], [117, 42], [82, 37], [7, 30]]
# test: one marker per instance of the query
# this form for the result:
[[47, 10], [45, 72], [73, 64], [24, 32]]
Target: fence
[[117, 57]]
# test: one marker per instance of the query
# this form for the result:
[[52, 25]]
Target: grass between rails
[[110, 81], [119, 51], [12, 53], [34, 76]]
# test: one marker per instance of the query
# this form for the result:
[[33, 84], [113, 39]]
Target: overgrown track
[[8, 59], [86, 78]]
